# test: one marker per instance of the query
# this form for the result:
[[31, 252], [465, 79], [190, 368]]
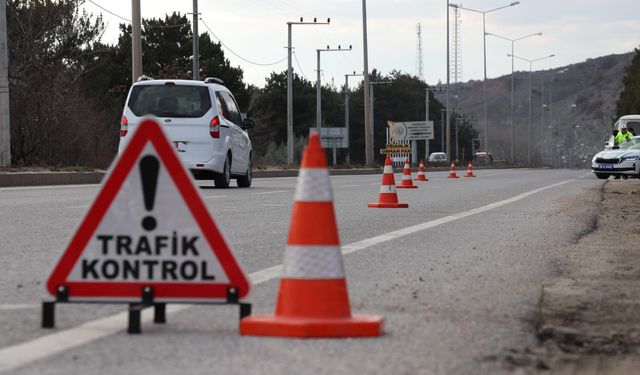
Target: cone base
[[406, 187], [421, 179], [469, 175], [279, 326], [453, 177], [388, 205]]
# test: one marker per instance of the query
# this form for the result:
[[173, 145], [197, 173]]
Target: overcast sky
[[573, 30]]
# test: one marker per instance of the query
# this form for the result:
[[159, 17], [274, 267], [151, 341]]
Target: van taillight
[[124, 126], [214, 127]]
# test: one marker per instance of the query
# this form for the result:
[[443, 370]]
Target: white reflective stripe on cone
[[386, 189], [313, 185], [387, 169], [406, 177], [313, 262]]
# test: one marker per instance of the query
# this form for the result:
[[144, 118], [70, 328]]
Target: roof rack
[[144, 78], [214, 80]]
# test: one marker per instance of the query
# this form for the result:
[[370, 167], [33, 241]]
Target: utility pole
[[426, 118], [290, 85], [5, 129], [368, 126], [136, 41], [346, 109], [196, 43]]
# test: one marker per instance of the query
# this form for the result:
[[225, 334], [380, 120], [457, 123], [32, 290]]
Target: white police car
[[623, 160], [202, 120]]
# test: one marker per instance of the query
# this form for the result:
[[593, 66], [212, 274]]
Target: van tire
[[245, 181], [223, 179], [602, 176]]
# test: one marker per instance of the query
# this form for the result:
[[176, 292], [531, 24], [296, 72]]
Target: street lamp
[[530, 90], [319, 85], [290, 85], [513, 120], [346, 106], [484, 43]]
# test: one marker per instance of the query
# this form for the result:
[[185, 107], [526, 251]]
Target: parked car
[[438, 157], [202, 119], [623, 161], [482, 156]]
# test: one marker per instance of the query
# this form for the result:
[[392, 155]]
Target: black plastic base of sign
[[135, 309]]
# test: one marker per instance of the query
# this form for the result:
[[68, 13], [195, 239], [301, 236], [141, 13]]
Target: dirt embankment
[[589, 318]]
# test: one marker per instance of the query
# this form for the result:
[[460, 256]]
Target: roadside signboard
[[411, 131], [148, 229], [396, 148], [333, 137]]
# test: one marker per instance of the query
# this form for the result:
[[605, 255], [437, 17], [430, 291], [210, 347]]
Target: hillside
[[577, 118]]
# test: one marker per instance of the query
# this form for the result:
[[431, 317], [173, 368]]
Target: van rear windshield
[[169, 101]]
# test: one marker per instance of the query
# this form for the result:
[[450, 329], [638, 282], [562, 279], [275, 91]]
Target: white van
[[203, 121]]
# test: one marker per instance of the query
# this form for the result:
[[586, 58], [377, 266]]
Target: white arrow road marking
[[18, 355]]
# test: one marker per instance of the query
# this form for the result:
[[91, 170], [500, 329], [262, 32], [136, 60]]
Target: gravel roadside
[[589, 317]]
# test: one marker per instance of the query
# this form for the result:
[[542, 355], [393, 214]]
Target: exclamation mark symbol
[[149, 166]]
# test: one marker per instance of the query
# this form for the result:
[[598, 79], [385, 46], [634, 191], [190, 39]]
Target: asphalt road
[[456, 276]]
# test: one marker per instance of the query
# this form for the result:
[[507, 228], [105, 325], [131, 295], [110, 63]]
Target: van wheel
[[245, 181], [222, 180], [602, 176]]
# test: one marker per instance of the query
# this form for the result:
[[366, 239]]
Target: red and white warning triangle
[[148, 227]]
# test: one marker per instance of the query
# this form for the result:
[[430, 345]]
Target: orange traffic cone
[[469, 171], [453, 174], [421, 175], [407, 181], [388, 198], [313, 300]]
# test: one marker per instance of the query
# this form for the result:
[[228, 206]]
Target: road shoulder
[[589, 318]]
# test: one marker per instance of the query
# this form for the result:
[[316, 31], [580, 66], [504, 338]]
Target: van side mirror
[[248, 123]]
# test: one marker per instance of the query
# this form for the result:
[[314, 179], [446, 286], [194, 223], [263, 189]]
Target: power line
[[298, 63], [128, 20], [108, 11], [235, 54]]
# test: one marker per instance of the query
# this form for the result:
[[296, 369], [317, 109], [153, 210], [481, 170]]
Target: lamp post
[[448, 141], [484, 82], [346, 108], [290, 85], [319, 85], [513, 120], [530, 90], [368, 124]]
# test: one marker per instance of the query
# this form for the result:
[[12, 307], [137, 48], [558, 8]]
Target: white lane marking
[[444, 220], [270, 192], [18, 355], [48, 187], [214, 196], [17, 306]]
